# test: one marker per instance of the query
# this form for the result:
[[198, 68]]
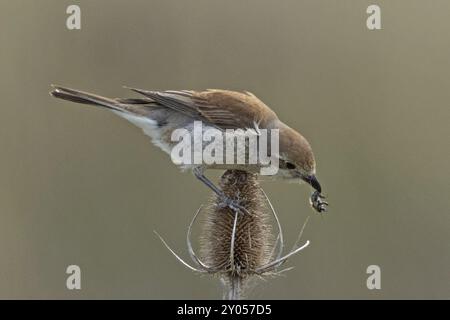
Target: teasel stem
[[234, 290], [238, 245]]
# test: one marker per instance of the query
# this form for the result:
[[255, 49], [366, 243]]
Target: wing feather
[[222, 108]]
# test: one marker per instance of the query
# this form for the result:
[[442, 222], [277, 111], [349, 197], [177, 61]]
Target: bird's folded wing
[[221, 108]]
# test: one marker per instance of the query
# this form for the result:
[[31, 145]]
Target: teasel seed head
[[237, 254], [236, 241]]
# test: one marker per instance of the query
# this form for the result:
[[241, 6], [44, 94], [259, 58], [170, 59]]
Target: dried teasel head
[[236, 244], [241, 252]]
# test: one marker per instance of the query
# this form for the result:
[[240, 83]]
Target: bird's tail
[[121, 105]]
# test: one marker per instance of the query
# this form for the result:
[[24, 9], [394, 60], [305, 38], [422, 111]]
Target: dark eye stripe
[[290, 166]]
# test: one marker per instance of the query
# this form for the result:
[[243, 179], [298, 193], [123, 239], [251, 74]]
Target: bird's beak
[[312, 180]]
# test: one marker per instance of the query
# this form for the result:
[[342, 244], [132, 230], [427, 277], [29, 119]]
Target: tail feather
[[73, 98], [129, 105], [136, 101], [86, 98]]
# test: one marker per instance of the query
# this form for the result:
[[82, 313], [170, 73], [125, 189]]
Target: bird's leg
[[231, 203]]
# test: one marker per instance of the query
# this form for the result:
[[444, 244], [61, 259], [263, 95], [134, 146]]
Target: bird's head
[[297, 163]]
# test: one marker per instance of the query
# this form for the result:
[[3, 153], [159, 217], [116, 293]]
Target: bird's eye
[[290, 165]]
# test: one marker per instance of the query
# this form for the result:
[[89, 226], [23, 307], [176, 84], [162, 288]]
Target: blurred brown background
[[80, 186]]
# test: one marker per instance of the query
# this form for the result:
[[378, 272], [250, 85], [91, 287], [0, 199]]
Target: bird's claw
[[318, 203], [232, 204]]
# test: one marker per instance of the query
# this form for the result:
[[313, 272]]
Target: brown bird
[[159, 113]]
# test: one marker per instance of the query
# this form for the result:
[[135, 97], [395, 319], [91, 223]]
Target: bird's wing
[[221, 108]]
